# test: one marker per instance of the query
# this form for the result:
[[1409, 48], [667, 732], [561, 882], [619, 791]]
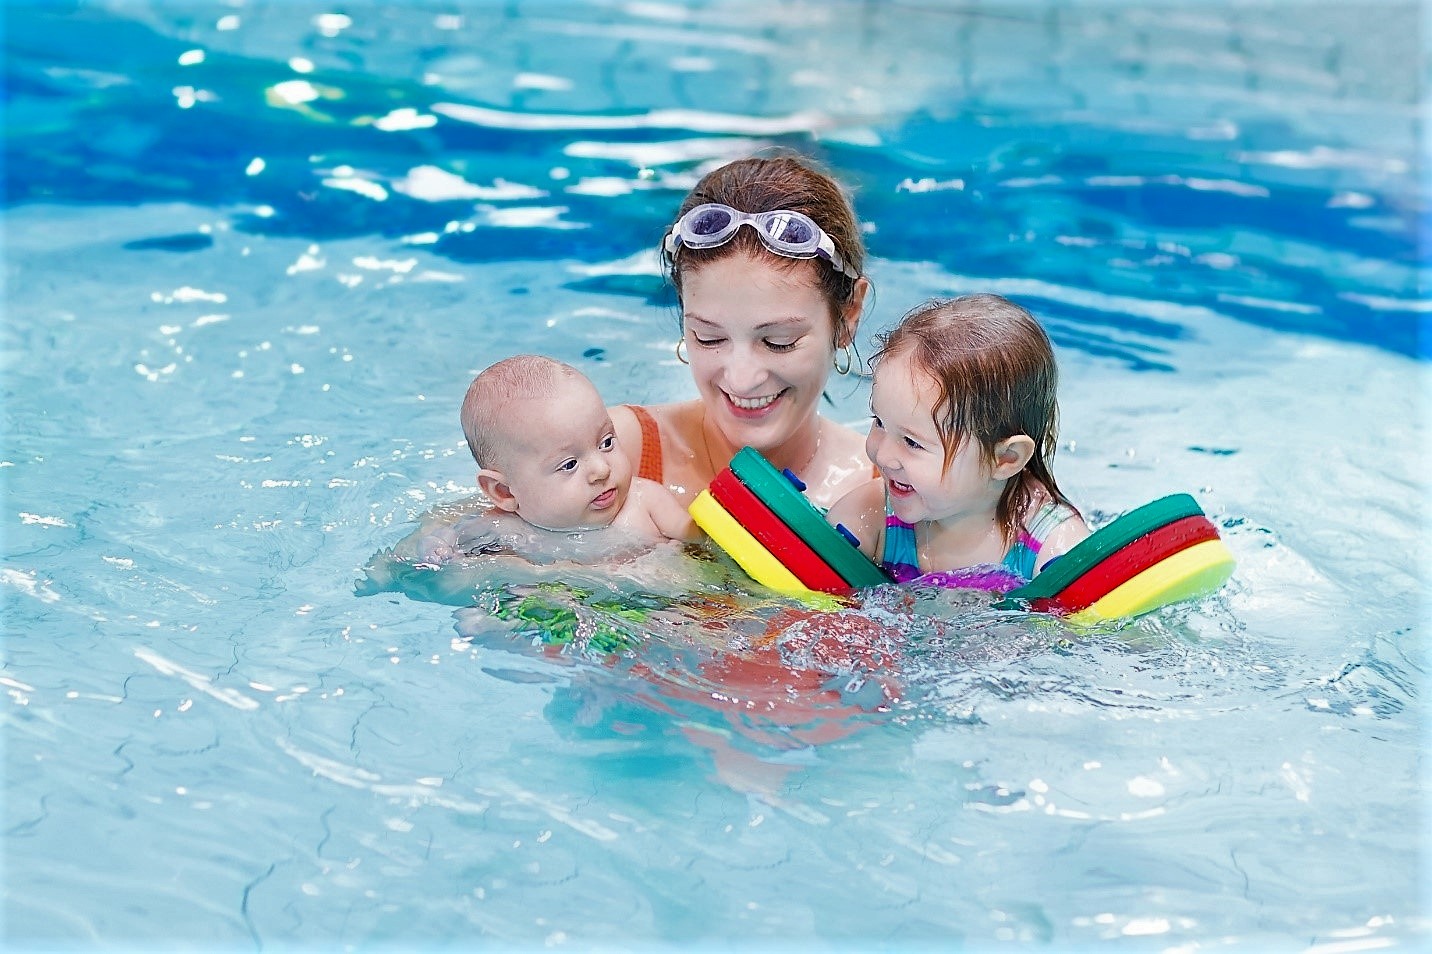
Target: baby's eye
[[568, 465], [913, 444], [607, 443], [875, 423]]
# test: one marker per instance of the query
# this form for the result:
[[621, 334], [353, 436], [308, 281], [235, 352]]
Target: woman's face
[[759, 338]]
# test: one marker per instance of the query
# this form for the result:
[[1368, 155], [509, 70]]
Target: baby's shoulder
[[646, 490], [647, 504]]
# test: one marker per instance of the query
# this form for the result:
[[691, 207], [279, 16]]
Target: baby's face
[[563, 463]]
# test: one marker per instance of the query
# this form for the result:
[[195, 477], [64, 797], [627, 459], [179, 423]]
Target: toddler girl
[[964, 418]]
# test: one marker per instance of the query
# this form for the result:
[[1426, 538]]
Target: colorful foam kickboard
[[759, 516], [1161, 553]]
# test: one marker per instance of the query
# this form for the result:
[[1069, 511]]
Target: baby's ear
[[493, 485], [1011, 454]]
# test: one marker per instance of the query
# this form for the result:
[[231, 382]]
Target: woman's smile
[[754, 405]]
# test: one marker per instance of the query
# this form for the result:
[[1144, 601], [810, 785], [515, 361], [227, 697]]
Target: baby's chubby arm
[[440, 546], [862, 512], [472, 535], [666, 513]]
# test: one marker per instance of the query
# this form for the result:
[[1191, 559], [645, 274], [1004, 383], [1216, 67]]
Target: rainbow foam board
[[1161, 553], [760, 517]]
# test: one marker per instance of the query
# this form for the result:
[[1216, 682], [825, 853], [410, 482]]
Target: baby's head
[[544, 444], [994, 379]]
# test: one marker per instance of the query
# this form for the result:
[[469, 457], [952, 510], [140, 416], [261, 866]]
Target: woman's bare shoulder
[[676, 418], [678, 428]]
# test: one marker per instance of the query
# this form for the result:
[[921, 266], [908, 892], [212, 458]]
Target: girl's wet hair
[[764, 184], [994, 372]]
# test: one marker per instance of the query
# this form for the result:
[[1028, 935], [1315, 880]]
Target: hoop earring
[[681, 355], [849, 361]]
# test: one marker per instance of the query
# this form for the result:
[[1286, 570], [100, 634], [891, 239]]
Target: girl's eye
[[706, 342], [781, 345], [568, 465], [608, 442]]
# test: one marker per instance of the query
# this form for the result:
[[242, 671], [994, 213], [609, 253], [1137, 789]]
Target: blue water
[[253, 254]]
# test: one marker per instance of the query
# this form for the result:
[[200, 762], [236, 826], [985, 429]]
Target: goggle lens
[[784, 227], [709, 221], [784, 232]]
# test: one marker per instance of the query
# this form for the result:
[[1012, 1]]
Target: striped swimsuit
[[901, 560]]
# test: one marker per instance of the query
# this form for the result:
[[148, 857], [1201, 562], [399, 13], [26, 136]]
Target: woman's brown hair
[[764, 184]]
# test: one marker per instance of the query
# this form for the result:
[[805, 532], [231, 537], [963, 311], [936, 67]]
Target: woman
[[767, 312]]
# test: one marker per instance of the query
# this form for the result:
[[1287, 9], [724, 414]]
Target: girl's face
[[759, 339], [905, 446]]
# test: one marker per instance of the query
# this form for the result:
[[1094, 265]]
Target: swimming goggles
[[787, 233]]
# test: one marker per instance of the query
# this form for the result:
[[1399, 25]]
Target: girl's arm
[[1061, 540], [862, 512]]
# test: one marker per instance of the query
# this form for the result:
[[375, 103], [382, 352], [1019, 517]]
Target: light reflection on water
[[231, 373]]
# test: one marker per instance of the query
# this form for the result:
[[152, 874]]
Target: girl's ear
[[1011, 454], [851, 311], [493, 485]]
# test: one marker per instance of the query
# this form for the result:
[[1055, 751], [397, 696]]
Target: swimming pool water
[[253, 254]]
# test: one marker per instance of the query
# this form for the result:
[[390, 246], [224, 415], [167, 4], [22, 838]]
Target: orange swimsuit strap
[[650, 463]]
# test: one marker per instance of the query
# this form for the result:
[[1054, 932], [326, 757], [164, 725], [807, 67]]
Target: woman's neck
[[796, 454]]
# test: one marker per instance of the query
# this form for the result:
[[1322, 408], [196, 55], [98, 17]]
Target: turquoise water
[[254, 253]]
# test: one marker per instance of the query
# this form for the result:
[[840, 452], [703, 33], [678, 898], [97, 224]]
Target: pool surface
[[253, 254]]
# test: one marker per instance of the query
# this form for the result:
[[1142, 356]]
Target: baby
[[549, 462]]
